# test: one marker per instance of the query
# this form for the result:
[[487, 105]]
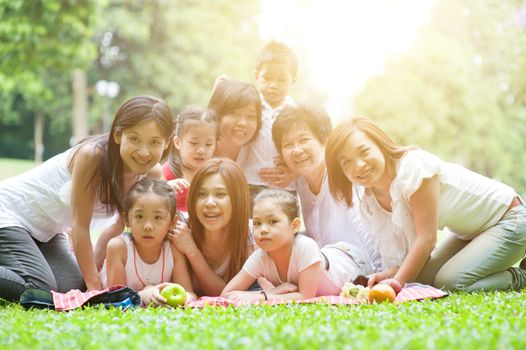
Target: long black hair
[[109, 172]]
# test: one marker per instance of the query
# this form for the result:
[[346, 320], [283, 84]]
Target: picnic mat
[[75, 298], [412, 291]]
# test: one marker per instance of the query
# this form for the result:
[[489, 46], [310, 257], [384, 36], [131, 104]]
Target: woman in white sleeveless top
[[70, 192]]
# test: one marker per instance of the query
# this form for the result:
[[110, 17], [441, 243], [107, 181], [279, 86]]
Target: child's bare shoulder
[[116, 244]]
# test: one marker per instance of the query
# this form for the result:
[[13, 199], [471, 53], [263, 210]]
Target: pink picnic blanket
[[75, 298], [412, 291]]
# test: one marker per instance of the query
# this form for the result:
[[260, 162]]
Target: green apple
[[174, 294]]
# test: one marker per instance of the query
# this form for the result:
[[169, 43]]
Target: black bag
[[43, 299]]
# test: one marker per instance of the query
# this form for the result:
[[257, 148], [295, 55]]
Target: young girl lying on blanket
[[144, 259], [292, 262]]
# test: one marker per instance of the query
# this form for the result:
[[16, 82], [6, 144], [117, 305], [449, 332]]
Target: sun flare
[[344, 42]]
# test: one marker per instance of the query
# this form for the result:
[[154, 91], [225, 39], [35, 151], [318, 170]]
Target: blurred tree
[[460, 91], [174, 49], [41, 42]]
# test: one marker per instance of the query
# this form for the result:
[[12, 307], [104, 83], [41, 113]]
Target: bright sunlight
[[344, 42]]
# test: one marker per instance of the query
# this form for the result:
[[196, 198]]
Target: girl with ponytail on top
[[194, 143]]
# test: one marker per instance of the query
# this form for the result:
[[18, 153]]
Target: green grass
[[460, 321], [11, 167]]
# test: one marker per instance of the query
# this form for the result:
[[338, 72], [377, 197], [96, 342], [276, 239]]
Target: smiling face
[[273, 230], [302, 151], [274, 80], [141, 146], [213, 206], [239, 125], [196, 145], [149, 220], [361, 160]]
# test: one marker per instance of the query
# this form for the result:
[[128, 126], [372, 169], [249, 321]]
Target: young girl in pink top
[[144, 259], [195, 141], [291, 264]]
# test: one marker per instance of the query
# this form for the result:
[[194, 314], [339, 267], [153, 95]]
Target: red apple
[[174, 294], [381, 292]]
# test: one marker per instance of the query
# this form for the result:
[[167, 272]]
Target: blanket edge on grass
[[412, 291]]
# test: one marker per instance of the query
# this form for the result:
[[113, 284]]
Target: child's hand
[[190, 298], [286, 176], [283, 288], [264, 283], [394, 283], [179, 185], [279, 176], [376, 278], [182, 238], [151, 295]]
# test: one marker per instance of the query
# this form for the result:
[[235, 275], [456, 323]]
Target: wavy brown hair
[[340, 186], [237, 188]]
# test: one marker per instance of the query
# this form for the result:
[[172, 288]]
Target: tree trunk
[[80, 106], [39, 136]]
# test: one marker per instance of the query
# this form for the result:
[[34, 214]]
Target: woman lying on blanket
[[410, 193], [144, 259], [291, 264], [216, 242]]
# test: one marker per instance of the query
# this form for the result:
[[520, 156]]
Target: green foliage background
[[459, 91]]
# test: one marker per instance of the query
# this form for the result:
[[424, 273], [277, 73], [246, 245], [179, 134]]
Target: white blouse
[[469, 204], [328, 220]]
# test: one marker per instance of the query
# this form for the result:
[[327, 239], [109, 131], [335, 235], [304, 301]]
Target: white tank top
[[39, 200], [140, 274]]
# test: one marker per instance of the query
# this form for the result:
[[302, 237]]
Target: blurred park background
[[448, 75]]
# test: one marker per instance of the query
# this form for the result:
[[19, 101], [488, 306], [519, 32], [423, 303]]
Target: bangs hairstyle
[[109, 172], [277, 52], [231, 94], [283, 199], [237, 188], [190, 116], [316, 120], [340, 186], [150, 185]]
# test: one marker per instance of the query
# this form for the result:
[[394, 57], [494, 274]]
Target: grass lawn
[[459, 321], [11, 167]]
